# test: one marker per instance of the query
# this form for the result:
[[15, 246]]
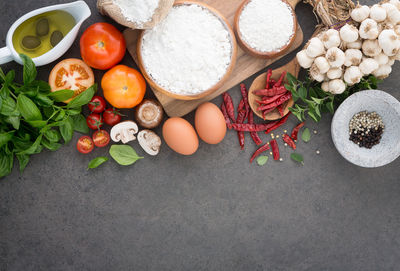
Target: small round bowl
[[388, 108], [206, 92], [267, 55]]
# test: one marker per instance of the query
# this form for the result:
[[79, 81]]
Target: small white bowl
[[388, 108]]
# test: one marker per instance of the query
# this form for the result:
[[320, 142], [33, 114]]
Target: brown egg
[[210, 123], [180, 136]]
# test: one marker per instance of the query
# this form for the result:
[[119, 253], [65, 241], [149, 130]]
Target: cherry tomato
[[71, 74], [112, 116], [97, 104], [101, 138], [94, 121], [102, 46], [123, 87], [85, 144]]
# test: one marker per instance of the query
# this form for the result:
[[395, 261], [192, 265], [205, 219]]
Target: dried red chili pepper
[[282, 99], [240, 106], [260, 150], [229, 106], [268, 83], [243, 90], [275, 149], [289, 141], [275, 90], [268, 100], [240, 119], [281, 110], [246, 127], [272, 83], [265, 112], [279, 83], [296, 130], [226, 117], [278, 124], [253, 135]]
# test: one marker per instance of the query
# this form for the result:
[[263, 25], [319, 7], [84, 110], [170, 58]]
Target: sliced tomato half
[[71, 73]]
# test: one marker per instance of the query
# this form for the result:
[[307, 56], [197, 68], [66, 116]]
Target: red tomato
[[102, 46], [101, 138], [112, 116], [85, 144], [94, 121], [97, 104]]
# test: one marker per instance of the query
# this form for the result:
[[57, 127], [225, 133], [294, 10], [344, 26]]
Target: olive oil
[[39, 34]]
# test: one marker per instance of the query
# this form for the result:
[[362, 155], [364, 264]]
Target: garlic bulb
[[369, 29], [389, 42], [325, 86], [395, 3], [354, 45], [353, 57], [304, 60], [382, 59], [392, 59], [348, 33], [368, 65], [322, 64], [393, 14], [337, 86], [377, 13], [397, 29], [335, 57], [383, 71], [371, 48], [315, 73], [331, 38], [315, 48], [360, 13], [352, 75], [334, 73]]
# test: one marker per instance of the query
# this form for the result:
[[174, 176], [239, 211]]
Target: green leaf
[[43, 86], [52, 146], [37, 123], [34, 147], [9, 107], [330, 106], [124, 155], [30, 72], [318, 101], [6, 137], [306, 135], [291, 79], [67, 130], [80, 124], [297, 158], [6, 163], [28, 108], [14, 121], [9, 77], [262, 160], [97, 162], [52, 135], [61, 95], [75, 111], [60, 115], [314, 115], [302, 93], [43, 100], [23, 160], [83, 98]]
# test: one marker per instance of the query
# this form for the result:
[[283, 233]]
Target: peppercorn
[[366, 129]]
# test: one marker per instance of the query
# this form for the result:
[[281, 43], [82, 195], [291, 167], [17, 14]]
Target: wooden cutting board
[[246, 65]]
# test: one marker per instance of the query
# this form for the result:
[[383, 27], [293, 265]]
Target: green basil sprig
[[124, 155]]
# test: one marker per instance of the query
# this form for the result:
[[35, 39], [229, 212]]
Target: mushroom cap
[[149, 141], [149, 113], [124, 131]]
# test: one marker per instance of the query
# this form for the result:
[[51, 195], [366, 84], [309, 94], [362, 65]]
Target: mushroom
[[124, 131], [149, 141], [149, 113]]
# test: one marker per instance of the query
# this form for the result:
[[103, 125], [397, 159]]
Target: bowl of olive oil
[[44, 34]]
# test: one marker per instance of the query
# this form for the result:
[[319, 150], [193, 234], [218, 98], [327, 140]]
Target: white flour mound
[[188, 52], [137, 11], [266, 25]]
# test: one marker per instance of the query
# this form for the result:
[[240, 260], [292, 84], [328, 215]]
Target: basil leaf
[[9, 107], [80, 124], [83, 98], [61, 115], [306, 135], [297, 158], [9, 77], [97, 162], [34, 147], [302, 93], [291, 79], [53, 146], [43, 86], [23, 160], [330, 106], [43, 100], [14, 121], [28, 108], [75, 111], [6, 137], [61, 95], [312, 113], [37, 123], [6, 163], [52, 135], [262, 160], [30, 72], [67, 130], [124, 155]]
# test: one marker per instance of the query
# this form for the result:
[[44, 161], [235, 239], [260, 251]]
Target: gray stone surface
[[210, 211]]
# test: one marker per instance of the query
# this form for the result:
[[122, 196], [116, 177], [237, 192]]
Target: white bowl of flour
[[190, 54]]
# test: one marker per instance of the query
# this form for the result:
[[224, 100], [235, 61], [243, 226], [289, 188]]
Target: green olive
[[30, 43], [56, 37], [42, 27]]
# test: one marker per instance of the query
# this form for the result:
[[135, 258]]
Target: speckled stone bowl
[[388, 108]]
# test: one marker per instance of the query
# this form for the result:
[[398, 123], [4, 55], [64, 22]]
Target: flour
[[137, 11], [189, 51], [266, 25]]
